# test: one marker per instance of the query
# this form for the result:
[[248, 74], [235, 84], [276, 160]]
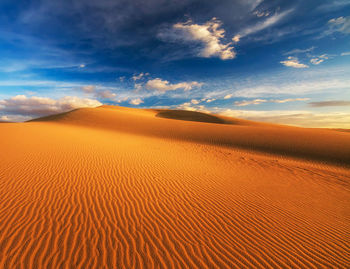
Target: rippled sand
[[114, 187]]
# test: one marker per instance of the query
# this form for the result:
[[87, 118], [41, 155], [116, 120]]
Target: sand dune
[[116, 187]]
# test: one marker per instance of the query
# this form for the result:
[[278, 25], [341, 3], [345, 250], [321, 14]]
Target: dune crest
[[115, 187], [310, 144]]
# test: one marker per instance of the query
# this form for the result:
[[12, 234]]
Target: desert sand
[[114, 187]]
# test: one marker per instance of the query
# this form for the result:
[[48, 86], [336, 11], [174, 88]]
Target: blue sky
[[279, 61]]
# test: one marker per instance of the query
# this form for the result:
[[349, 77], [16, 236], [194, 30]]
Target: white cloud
[[282, 101], [293, 62], [294, 88], [164, 85], [139, 76], [341, 24], [297, 118], [209, 35], [251, 102], [236, 38], [228, 96], [316, 61], [260, 101], [345, 53], [82, 65], [136, 101], [191, 107], [261, 13], [263, 25], [319, 59], [42, 106], [297, 51], [195, 102]]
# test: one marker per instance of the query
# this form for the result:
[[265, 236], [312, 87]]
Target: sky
[[278, 61]]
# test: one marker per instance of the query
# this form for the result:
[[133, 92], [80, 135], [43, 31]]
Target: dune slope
[[123, 188]]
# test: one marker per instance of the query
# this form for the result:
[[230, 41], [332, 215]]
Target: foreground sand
[[126, 188]]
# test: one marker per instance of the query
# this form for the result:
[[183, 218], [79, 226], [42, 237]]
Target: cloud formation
[[209, 35], [136, 101], [303, 87], [164, 85], [319, 59], [88, 89], [293, 62], [329, 103], [270, 21], [260, 101], [296, 118], [42, 106], [340, 24]]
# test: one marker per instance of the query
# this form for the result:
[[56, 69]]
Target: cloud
[[329, 103], [296, 118], [209, 35], [319, 59], [106, 94], [14, 118], [261, 13], [164, 85], [192, 107], [98, 93], [195, 102], [252, 102], [260, 101], [139, 76], [136, 101], [270, 21], [298, 51], [294, 88], [293, 62], [22, 105], [340, 24], [345, 53], [228, 96], [88, 89]]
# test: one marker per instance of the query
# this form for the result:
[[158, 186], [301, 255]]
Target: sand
[[114, 187]]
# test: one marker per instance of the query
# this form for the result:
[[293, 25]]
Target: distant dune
[[115, 187]]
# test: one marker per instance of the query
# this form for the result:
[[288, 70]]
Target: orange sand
[[116, 187]]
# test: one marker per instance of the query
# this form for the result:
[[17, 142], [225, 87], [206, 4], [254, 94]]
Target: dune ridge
[[313, 144], [121, 188]]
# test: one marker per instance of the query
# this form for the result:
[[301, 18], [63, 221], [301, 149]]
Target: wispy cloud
[[260, 101], [296, 118], [298, 88], [319, 59], [340, 24], [329, 103], [209, 35], [268, 22], [298, 51]]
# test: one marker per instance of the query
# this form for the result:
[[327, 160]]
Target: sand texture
[[114, 187]]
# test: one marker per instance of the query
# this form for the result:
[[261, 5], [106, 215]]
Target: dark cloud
[[329, 103]]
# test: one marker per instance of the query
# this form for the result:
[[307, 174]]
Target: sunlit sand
[[114, 187]]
